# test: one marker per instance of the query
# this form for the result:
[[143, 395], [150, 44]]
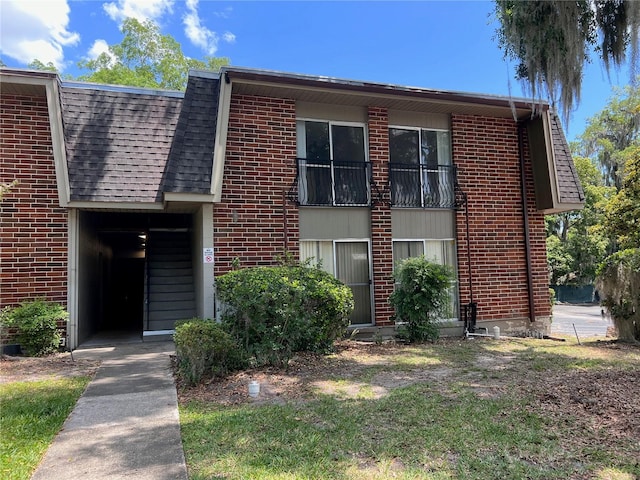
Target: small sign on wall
[[207, 255]]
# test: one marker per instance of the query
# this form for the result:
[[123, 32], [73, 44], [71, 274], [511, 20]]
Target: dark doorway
[[125, 298], [134, 273]]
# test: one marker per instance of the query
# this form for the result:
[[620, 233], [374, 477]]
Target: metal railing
[[422, 186], [333, 183]]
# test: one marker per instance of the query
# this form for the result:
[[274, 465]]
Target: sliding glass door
[[353, 269], [349, 262]]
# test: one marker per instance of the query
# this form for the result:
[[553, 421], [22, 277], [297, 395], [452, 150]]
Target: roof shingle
[[117, 143], [569, 187], [191, 156]]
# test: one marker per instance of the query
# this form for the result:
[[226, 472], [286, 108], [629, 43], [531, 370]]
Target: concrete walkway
[[126, 423]]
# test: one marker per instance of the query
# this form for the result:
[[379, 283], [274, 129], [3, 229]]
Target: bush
[[36, 323], [203, 348], [619, 285], [421, 297], [276, 311]]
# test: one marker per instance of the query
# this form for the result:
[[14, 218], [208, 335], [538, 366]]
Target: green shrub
[[36, 323], [203, 348], [276, 311], [421, 297]]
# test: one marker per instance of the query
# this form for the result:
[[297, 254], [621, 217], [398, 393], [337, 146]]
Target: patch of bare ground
[[599, 404], [342, 374], [30, 369]]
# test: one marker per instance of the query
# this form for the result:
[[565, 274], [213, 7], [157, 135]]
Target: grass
[[31, 414], [430, 429]]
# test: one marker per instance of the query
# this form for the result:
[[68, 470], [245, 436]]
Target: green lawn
[[515, 409], [31, 413]]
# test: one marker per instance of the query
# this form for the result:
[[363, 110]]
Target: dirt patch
[[307, 374], [30, 369], [356, 369], [603, 402]]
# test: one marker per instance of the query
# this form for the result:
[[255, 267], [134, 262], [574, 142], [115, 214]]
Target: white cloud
[[99, 47], [226, 13], [200, 35], [32, 29], [139, 9]]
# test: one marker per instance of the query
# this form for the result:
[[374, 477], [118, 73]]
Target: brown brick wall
[[381, 234], [486, 152], [260, 167], [33, 227]]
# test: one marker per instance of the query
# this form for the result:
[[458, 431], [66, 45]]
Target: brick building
[[131, 201]]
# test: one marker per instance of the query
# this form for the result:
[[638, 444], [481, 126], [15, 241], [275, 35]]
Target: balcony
[[422, 186], [332, 183]]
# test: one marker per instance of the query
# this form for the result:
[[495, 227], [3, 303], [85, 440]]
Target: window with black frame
[[332, 164], [420, 170]]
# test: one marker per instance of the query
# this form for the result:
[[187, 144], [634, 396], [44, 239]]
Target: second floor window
[[332, 163], [420, 170]]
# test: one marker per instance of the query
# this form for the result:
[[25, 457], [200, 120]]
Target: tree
[[45, 67], [552, 39], [611, 132], [577, 242], [145, 58], [619, 275], [623, 211]]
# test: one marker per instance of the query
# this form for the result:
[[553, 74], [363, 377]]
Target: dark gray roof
[[569, 187], [117, 142], [191, 157]]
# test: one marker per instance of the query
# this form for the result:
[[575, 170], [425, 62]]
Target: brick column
[[381, 235], [33, 226], [252, 222]]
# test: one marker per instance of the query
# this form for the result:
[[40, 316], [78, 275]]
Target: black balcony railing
[[422, 186], [328, 182]]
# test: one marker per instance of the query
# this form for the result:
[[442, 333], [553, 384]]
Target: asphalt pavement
[[588, 320]]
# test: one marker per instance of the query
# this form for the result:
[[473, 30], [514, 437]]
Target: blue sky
[[445, 45]]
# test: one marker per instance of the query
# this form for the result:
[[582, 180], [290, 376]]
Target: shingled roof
[[569, 187], [191, 156], [117, 142]]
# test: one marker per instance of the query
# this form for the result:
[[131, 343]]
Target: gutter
[[248, 75]]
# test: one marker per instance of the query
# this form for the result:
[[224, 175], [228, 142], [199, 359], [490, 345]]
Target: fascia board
[[101, 205], [551, 159], [188, 197], [220, 145], [57, 138], [563, 207]]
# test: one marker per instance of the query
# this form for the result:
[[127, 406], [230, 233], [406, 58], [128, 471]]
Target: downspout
[[525, 216], [284, 223]]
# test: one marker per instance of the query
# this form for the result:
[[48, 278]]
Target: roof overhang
[[357, 93], [555, 193], [28, 82]]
